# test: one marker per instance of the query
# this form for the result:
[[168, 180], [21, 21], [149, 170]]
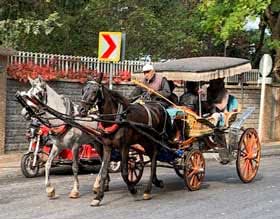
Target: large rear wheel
[[248, 155], [194, 169]]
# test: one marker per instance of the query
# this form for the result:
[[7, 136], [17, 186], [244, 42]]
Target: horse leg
[[49, 188], [158, 183], [147, 192], [104, 173], [96, 185], [124, 169], [75, 168]]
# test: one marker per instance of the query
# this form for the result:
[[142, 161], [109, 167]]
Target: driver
[[154, 81]]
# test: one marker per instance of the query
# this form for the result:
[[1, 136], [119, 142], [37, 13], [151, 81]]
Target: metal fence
[[75, 63], [78, 63], [250, 77]]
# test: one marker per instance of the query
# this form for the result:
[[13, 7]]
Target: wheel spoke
[[191, 173], [135, 173], [191, 180]]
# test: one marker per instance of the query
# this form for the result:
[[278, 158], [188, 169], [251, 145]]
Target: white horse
[[71, 138]]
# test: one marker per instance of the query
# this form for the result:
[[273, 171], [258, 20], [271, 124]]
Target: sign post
[[265, 69], [109, 49]]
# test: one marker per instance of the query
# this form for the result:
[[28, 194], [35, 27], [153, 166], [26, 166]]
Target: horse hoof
[[95, 190], [95, 203], [74, 194], [159, 184], [106, 188], [147, 196], [51, 192], [133, 191]]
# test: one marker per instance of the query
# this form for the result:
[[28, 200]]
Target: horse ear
[[40, 79], [31, 81], [99, 79]]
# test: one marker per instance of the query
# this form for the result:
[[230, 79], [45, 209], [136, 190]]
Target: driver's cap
[[148, 67]]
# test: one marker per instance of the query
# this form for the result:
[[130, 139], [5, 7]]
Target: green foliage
[[13, 32], [163, 28], [226, 17]]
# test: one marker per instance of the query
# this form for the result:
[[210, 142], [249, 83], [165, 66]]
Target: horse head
[[91, 94], [38, 90]]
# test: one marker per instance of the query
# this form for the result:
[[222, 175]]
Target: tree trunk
[[273, 21]]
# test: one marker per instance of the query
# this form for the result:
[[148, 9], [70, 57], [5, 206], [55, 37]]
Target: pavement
[[10, 162]]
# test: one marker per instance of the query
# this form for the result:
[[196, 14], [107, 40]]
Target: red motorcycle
[[40, 146]]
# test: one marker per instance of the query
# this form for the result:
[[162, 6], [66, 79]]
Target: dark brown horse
[[133, 121]]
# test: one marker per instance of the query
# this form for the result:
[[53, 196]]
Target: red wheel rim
[[135, 167], [249, 153], [194, 170]]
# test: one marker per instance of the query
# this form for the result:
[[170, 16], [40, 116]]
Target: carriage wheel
[[194, 169], [26, 165], [248, 156], [135, 166]]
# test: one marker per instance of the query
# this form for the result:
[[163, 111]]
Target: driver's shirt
[[157, 83]]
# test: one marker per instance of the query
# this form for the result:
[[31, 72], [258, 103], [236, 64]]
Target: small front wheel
[[248, 155], [194, 169], [135, 166], [27, 168]]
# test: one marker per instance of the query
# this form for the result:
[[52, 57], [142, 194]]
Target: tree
[[18, 21], [226, 18]]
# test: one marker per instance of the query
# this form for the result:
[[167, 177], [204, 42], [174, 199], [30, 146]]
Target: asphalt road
[[222, 195]]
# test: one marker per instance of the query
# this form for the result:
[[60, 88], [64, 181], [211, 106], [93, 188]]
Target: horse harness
[[150, 120]]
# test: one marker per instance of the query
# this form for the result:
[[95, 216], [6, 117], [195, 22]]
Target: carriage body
[[200, 135]]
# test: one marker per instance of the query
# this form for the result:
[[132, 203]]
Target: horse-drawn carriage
[[124, 125]]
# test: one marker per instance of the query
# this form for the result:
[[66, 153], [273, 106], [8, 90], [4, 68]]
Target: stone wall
[[16, 125]]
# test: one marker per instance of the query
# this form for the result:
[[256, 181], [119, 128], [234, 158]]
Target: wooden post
[[4, 54]]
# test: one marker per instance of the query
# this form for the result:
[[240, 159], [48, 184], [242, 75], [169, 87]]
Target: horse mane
[[116, 96]]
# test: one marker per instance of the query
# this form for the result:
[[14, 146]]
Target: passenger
[[220, 102], [190, 96], [173, 97], [156, 82]]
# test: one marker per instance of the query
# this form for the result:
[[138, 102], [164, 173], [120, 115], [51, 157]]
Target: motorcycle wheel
[[115, 166], [26, 166]]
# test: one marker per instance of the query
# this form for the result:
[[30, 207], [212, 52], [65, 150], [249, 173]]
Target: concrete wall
[[16, 125], [271, 123]]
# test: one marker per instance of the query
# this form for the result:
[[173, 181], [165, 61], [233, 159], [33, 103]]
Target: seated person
[[173, 97], [220, 103], [154, 81], [190, 96]]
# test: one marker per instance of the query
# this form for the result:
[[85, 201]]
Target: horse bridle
[[93, 102], [42, 94]]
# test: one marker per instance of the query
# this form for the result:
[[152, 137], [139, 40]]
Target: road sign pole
[[123, 46], [111, 76], [265, 68]]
